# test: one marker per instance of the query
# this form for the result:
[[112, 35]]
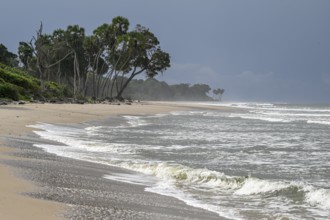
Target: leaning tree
[[126, 54]]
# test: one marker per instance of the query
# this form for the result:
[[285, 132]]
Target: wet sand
[[38, 185]]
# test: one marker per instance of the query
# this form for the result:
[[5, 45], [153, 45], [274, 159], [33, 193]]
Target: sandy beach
[[19, 196]]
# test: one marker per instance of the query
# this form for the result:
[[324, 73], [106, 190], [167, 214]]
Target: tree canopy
[[105, 61]]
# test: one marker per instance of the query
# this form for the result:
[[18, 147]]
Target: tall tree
[[145, 55], [74, 37], [25, 54]]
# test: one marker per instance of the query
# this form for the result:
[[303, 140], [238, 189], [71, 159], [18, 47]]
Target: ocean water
[[250, 161]]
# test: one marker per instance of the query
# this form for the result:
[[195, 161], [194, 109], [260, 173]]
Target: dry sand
[[13, 122]]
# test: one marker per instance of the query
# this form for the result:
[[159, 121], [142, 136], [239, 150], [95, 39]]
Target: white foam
[[58, 150], [81, 144], [135, 121], [136, 178], [167, 189], [257, 186], [319, 122], [92, 130], [159, 115], [259, 117], [274, 107], [314, 196], [176, 147], [285, 117], [278, 113], [78, 140], [318, 197], [245, 105], [202, 178]]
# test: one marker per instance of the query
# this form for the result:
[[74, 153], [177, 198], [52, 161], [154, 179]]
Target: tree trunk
[[122, 89], [74, 78]]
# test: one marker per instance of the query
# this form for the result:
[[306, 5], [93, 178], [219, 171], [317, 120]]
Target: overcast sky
[[257, 50]]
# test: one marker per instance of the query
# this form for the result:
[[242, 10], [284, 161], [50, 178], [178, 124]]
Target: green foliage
[[16, 84], [67, 92], [52, 90], [25, 53], [19, 78], [7, 57], [8, 91]]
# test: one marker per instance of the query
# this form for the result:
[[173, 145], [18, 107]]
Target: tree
[[25, 54], [97, 66], [7, 57], [115, 54], [38, 55], [146, 56], [218, 92], [74, 37], [199, 91], [126, 54]]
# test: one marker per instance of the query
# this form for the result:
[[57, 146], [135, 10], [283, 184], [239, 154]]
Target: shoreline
[[14, 121]]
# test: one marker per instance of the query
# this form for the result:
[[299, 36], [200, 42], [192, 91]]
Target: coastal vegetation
[[103, 65], [16, 84]]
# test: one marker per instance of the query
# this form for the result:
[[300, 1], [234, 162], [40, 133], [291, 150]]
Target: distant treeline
[[102, 65], [152, 89]]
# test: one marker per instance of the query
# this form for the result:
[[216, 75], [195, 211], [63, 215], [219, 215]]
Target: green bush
[[17, 84], [19, 80], [67, 92], [53, 90], [9, 91]]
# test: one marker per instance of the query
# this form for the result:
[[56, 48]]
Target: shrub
[[16, 84], [9, 91], [19, 80], [52, 90]]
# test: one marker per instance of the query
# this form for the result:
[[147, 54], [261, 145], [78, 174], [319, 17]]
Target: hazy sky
[[257, 50]]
